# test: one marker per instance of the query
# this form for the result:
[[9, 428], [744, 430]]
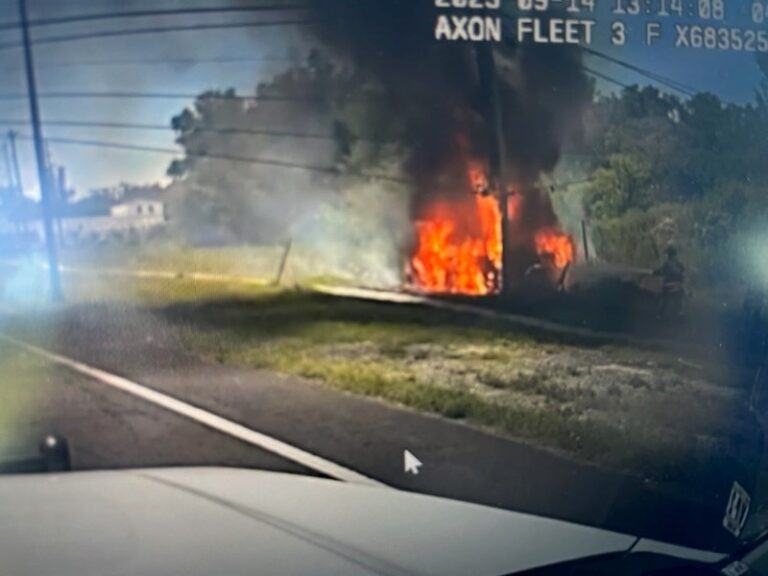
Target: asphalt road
[[107, 428]]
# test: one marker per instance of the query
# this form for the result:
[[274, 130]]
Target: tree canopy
[[665, 170]]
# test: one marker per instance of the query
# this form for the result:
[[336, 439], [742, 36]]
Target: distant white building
[[145, 210], [135, 219]]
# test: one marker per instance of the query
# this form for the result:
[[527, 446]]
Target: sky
[[734, 76], [73, 66], [90, 168]]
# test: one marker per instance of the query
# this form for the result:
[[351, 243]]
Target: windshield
[[511, 253]]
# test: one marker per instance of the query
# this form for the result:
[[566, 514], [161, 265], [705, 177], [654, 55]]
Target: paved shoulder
[[369, 437]]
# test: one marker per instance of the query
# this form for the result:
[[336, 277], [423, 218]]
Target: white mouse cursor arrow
[[411, 463]]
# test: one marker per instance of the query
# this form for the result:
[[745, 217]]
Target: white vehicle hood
[[229, 522]]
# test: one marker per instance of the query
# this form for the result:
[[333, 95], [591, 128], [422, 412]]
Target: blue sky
[[91, 167], [732, 76]]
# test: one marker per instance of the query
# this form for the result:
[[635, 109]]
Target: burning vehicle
[[481, 220], [459, 244]]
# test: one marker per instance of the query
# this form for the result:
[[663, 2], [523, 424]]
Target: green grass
[[171, 257], [304, 265], [392, 381], [479, 371], [244, 271], [22, 382], [456, 366]]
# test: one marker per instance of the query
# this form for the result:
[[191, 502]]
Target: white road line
[[203, 417]]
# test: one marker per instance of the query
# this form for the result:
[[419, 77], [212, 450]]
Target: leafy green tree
[[694, 166], [625, 183]]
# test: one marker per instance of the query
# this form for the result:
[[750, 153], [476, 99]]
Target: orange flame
[[557, 245], [459, 243], [455, 261]]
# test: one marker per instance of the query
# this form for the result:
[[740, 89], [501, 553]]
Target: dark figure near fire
[[541, 278], [672, 273]]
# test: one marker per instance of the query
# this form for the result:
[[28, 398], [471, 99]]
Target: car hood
[[239, 522]]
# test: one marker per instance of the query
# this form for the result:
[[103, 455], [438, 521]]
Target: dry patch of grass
[[634, 410], [625, 408]]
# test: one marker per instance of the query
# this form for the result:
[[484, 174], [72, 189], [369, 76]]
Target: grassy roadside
[[303, 265], [23, 382], [623, 408], [258, 261], [613, 406]]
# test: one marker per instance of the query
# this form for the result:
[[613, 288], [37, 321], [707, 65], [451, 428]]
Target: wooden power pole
[[42, 169], [494, 120], [12, 194], [16, 171]]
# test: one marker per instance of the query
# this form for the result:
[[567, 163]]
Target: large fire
[[459, 243], [556, 245], [450, 260]]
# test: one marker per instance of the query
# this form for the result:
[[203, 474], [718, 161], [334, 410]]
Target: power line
[[167, 61], [212, 95], [654, 77], [658, 78], [190, 96], [166, 128], [91, 17], [223, 130], [154, 30], [159, 96], [605, 77], [665, 81], [164, 29], [42, 169], [231, 158]]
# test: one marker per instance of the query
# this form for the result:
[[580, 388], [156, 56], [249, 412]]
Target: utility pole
[[42, 170], [585, 240], [6, 198], [17, 182], [8, 201], [21, 225], [8, 169], [15, 164], [62, 180], [61, 200], [56, 201], [486, 67], [56, 194]]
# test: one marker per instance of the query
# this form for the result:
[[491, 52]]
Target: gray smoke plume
[[340, 225]]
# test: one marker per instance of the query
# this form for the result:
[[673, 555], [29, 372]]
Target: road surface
[[110, 428]]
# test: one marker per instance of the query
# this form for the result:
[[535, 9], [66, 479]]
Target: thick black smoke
[[432, 86], [435, 87]]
